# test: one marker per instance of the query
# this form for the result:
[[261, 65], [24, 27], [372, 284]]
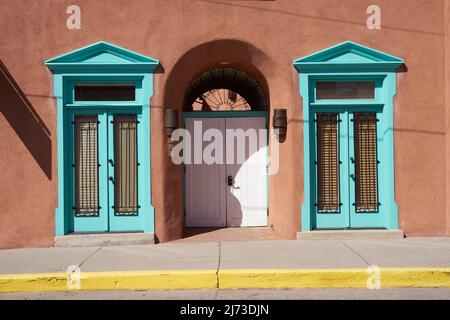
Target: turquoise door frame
[[131, 222], [348, 217], [102, 63], [100, 222], [339, 220], [369, 219], [350, 61]]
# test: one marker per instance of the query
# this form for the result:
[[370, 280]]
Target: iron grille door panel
[[86, 166], [366, 162], [88, 171], [328, 189], [347, 168], [125, 165]]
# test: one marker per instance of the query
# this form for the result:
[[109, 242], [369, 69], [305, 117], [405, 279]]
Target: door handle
[[230, 181], [111, 162], [352, 159], [111, 179], [353, 176]]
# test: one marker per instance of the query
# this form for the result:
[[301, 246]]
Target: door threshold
[[350, 234], [103, 239]]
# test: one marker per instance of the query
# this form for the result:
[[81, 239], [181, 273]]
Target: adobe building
[[359, 115]]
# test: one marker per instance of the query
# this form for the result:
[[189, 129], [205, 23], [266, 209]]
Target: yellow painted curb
[[334, 278], [124, 280], [227, 279]]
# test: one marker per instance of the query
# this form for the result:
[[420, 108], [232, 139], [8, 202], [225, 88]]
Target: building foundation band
[[318, 127]]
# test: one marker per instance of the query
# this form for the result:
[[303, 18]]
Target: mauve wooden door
[[205, 183], [232, 193], [247, 196]]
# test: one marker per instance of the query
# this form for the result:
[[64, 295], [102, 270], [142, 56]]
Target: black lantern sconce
[[280, 124], [170, 125]]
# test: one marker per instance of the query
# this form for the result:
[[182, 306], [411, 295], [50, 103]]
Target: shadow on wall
[[25, 121]]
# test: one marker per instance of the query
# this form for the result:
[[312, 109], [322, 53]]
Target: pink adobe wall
[[263, 38], [447, 104]]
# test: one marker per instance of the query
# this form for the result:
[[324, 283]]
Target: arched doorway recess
[[225, 89], [231, 191]]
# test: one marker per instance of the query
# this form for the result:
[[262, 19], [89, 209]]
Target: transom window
[[220, 100], [345, 90], [105, 92]]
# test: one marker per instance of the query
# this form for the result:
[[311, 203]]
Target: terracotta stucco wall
[[447, 110], [189, 36]]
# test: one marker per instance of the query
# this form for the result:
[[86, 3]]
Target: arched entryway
[[168, 190], [230, 109]]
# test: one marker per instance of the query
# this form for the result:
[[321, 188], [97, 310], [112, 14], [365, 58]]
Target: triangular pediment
[[348, 54], [101, 54]]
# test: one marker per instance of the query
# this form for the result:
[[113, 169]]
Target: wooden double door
[[232, 192], [347, 170], [105, 187]]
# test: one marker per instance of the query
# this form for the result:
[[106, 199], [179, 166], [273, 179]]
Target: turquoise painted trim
[[347, 55], [61, 224], [101, 56], [350, 62], [102, 63]]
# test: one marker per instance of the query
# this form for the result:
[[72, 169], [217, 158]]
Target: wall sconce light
[[280, 124], [170, 125]]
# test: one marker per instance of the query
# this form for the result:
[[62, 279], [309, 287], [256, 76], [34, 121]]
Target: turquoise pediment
[[346, 55], [101, 56]]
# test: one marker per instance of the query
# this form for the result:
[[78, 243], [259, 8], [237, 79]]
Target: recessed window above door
[[105, 92], [343, 90]]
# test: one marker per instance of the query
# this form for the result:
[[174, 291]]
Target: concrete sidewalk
[[221, 257], [410, 252]]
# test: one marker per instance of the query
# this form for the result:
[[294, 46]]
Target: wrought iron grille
[[366, 162], [125, 165], [220, 100], [86, 166], [328, 193]]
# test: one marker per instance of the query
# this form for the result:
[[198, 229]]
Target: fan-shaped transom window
[[220, 100], [225, 89]]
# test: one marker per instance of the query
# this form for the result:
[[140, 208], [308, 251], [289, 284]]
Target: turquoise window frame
[[102, 63], [350, 61]]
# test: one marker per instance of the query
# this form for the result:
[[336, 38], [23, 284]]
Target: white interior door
[[247, 196], [205, 183]]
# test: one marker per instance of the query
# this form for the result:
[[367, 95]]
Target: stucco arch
[[229, 53]]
